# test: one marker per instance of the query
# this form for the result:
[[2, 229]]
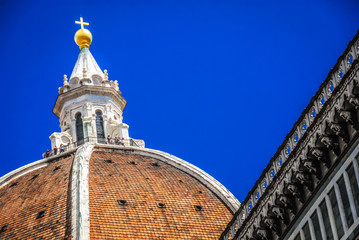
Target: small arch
[[331, 87], [350, 59], [96, 79], [74, 82], [313, 113], [65, 140], [322, 101], [272, 173], [340, 73]]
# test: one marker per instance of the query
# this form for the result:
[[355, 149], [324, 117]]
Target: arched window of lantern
[[100, 131], [79, 128]]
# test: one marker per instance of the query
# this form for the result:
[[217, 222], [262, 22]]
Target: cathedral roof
[[124, 193], [34, 204], [145, 183]]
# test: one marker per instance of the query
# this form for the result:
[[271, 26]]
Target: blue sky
[[216, 83]]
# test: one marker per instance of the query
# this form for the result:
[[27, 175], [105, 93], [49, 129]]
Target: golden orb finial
[[83, 36]]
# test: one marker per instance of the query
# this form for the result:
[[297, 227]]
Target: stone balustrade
[[126, 142]]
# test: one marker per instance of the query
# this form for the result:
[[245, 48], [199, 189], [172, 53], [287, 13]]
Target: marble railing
[[127, 142], [295, 137]]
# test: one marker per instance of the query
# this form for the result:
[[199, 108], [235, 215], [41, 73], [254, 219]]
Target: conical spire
[[88, 63]]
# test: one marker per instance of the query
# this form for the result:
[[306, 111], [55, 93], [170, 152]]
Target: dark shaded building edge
[[321, 183], [282, 146], [314, 192]]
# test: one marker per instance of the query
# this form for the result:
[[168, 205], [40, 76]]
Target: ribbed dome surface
[[130, 195], [23, 199], [144, 183]]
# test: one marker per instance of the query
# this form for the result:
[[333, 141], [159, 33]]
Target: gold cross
[[82, 23]]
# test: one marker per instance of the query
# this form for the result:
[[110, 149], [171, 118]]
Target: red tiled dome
[[130, 196], [23, 198]]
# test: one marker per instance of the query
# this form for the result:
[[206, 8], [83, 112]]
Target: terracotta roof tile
[[143, 185], [143, 182], [22, 202]]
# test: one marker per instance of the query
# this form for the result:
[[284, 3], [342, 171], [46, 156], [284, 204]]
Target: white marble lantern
[[90, 106]]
